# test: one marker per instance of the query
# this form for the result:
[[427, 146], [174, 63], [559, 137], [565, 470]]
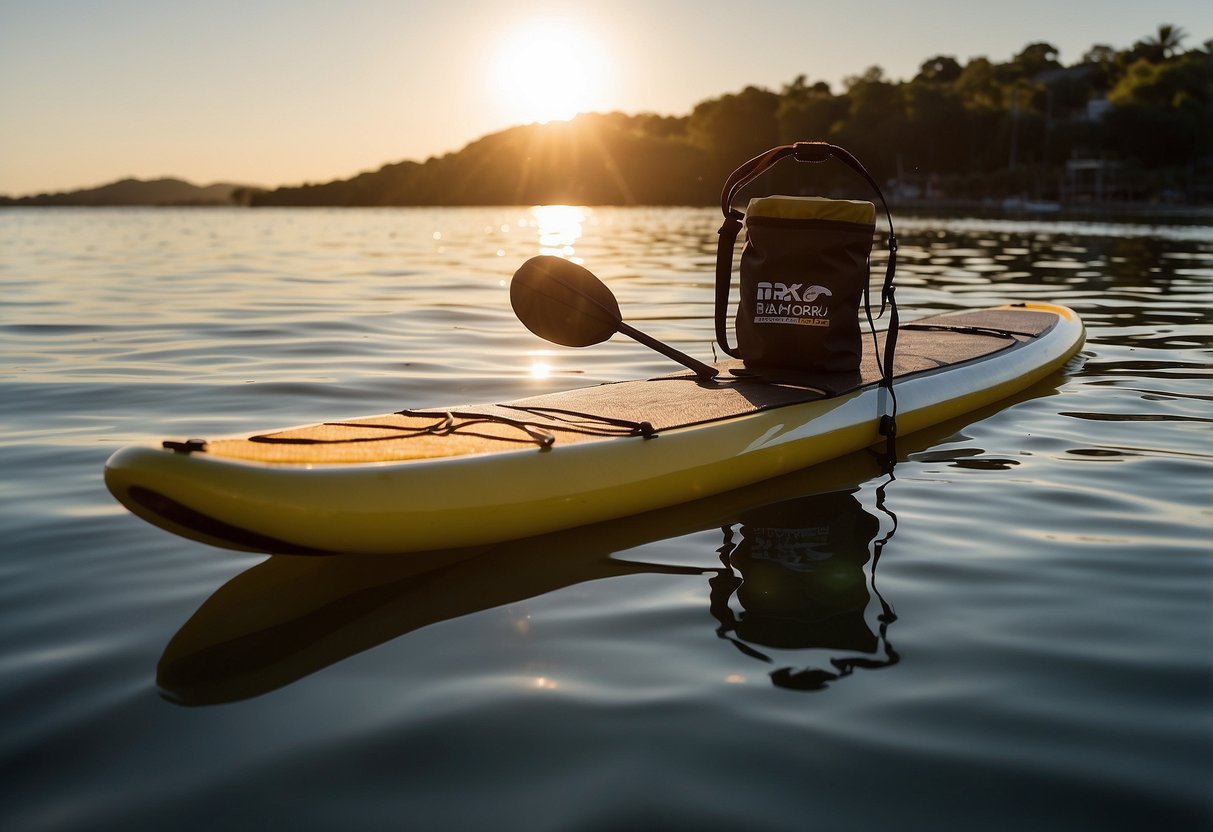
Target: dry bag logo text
[[778, 303]]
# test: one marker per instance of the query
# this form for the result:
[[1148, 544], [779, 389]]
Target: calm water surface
[[1014, 631]]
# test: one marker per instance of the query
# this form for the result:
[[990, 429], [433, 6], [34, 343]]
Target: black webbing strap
[[452, 422], [746, 173], [728, 232], [724, 280]]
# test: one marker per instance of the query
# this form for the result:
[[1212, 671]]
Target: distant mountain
[[134, 192]]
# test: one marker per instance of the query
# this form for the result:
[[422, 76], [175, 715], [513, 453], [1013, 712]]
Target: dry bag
[[804, 270]]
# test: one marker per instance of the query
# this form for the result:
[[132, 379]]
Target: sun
[[549, 69]]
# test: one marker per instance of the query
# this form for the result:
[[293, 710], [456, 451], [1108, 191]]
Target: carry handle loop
[[746, 173]]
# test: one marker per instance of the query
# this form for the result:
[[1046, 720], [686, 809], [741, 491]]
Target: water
[[1014, 632]]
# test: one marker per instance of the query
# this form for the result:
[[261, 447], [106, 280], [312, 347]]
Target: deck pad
[[627, 408]]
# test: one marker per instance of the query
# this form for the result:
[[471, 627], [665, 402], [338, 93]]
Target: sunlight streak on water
[[560, 227]]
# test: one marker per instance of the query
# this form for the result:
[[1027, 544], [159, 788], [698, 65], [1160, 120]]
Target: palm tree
[[1168, 39]]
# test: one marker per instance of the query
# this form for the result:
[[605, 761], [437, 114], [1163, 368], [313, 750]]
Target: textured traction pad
[[664, 403]]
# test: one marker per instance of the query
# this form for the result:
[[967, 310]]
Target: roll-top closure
[[856, 211]]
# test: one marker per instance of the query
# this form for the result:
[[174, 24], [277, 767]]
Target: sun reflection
[[560, 226]]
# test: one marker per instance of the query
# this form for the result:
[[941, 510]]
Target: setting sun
[[549, 70]]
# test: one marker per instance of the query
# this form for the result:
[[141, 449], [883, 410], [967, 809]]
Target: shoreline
[[944, 208]]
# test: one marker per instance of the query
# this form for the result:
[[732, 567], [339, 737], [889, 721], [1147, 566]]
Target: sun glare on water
[[549, 70], [559, 227]]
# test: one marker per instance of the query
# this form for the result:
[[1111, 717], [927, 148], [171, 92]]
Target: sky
[[280, 92]]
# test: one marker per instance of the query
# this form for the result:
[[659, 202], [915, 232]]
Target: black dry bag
[[804, 270]]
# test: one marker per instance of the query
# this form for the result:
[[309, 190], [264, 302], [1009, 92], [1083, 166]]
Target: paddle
[[566, 304]]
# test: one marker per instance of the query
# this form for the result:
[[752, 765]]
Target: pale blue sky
[[283, 91]]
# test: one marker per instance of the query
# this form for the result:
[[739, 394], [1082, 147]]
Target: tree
[[808, 113], [1168, 39], [875, 123], [1164, 111], [979, 85], [1102, 61], [942, 69], [1165, 85], [871, 75], [933, 142], [1099, 54], [735, 127], [1035, 58]]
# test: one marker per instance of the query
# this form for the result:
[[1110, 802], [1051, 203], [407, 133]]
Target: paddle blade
[[563, 303]]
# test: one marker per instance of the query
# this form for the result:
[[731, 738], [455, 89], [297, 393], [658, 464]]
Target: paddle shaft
[[702, 370]]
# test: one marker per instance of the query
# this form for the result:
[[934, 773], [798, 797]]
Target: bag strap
[[728, 232], [746, 173]]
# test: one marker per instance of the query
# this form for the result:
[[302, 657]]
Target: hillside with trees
[[135, 192], [1132, 124], [1120, 125]]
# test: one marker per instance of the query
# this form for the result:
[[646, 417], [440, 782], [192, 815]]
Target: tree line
[[1119, 124]]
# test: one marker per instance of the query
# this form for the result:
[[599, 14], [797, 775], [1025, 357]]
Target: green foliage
[[1035, 59], [980, 130], [733, 128], [942, 69]]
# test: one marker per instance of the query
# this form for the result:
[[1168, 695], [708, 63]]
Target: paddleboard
[[475, 474]]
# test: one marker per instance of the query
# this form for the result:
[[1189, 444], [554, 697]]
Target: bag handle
[[746, 173]]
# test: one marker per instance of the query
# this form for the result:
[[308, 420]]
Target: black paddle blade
[[563, 303]]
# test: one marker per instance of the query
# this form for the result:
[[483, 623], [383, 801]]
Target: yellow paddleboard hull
[[480, 498]]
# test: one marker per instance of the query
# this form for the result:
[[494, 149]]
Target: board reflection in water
[[798, 573]]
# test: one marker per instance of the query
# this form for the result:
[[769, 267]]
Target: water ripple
[[1040, 625]]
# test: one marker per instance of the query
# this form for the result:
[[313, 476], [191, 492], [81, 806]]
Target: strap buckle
[[811, 151]]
